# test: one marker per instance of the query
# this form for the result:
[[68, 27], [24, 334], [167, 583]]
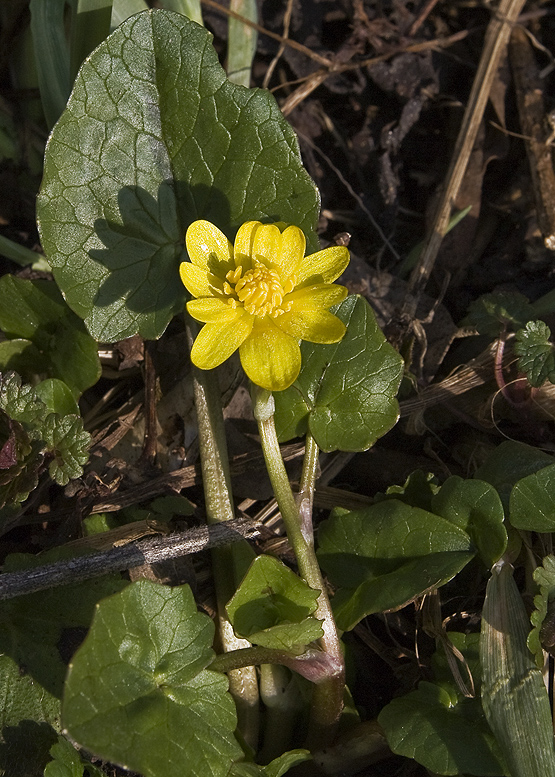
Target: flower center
[[259, 290]]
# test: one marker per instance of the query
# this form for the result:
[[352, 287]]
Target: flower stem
[[327, 699], [228, 563]]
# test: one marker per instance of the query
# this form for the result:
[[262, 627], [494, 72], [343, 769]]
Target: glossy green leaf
[[345, 393], [276, 768], [417, 491], [444, 732], [382, 557], [474, 506], [514, 697], [532, 501], [22, 357], [241, 42], [272, 606], [39, 630], [537, 356], [510, 462], [29, 721], [492, 313], [138, 692], [36, 311], [67, 762], [57, 397], [90, 25], [542, 636], [154, 137]]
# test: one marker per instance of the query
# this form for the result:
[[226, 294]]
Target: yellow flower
[[262, 296]]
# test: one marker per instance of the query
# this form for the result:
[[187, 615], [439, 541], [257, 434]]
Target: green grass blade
[[90, 26], [189, 8], [514, 697], [123, 9], [241, 45], [51, 56], [17, 253]]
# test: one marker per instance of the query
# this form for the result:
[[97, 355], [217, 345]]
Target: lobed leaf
[[537, 357], [345, 393], [542, 636], [154, 137], [492, 313]]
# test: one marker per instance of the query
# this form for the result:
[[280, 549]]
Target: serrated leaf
[[67, 762], [537, 356], [514, 697], [68, 443], [272, 606], [510, 462], [474, 506], [542, 636], [445, 733], [20, 401], [29, 721], [37, 312], [382, 557], [492, 313], [532, 501], [345, 393], [154, 137], [138, 692]]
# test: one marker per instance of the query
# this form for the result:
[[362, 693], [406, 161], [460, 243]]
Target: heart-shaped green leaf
[[442, 731], [154, 137], [382, 557], [474, 506], [532, 501], [345, 393], [272, 606], [138, 692], [36, 312]]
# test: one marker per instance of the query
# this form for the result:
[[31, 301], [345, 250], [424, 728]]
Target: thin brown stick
[[497, 37], [293, 43], [531, 111], [275, 60]]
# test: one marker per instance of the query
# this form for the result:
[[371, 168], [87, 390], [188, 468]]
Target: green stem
[[229, 563], [327, 698]]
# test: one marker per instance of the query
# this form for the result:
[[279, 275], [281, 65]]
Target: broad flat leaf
[[417, 491], [345, 393], [57, 397], [542, 636], [67, 762], [537, 357], [493, 313], [532, 501], [39, 630], [276, 768], [510, 462], [382, 557], [272, 607], [29, 721], [154, 137], [514, 697], [36, 311], [474, 506], [444, 732], [138, 693]]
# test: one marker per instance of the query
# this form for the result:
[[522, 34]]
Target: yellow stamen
[[260, 290]]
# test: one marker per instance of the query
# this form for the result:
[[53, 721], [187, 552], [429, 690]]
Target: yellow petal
[[216, 342], [313, 324], [209, 248], [290, 258], [322, 295], [270, 357], [266, 245], [324, 266], [244, 244], [195, 279], [211, 310]]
